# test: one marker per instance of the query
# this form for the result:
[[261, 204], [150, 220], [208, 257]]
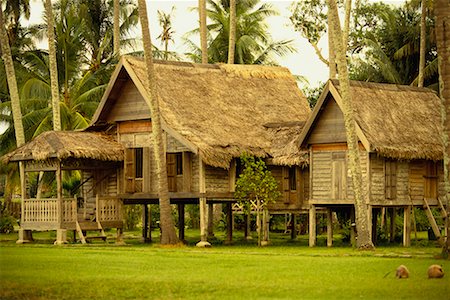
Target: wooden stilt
[[119, 237], [312, 226], [407, 226], [376, 212], [210, 220], [145, 223], [265, 227], [352, 227], [229, 208], [247, 229], [203, 208], [393, 214], [181, 222], [294, 227], [329, 227]]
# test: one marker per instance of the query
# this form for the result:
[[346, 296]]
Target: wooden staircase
[[432, 219], [85, 226]]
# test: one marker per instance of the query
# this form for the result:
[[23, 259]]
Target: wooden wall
[[217, 179], [130, 105], [329, 127]]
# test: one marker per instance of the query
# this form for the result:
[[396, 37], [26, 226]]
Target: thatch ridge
[[68, 144], [401, 122], [222, 109]]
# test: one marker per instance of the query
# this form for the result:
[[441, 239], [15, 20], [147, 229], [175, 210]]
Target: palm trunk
[[348, 9], [203, 30], [12, 83], [53, 66], [364, 240], [168, 233], [232, 33], [442, 28], [422, 43], [116, 38], [331, 52]]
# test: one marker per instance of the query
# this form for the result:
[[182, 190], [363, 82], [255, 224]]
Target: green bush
[[7, 221]]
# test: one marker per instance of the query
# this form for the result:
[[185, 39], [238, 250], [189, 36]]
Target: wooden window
[[179, 163], [285, 186], [338, 176], [390, 179], [138, 162], [292, 179], [172, 171], [431, 180]]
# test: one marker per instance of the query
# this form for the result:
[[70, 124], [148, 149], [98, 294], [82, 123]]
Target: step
[[102, 237], [89, 226]]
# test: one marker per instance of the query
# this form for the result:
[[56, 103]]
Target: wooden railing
[[46, 210], [109, 209]]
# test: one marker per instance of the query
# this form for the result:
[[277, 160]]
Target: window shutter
[[129, 170]]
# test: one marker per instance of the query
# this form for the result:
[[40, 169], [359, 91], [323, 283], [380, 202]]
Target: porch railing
[[46, 210], [109, 209]]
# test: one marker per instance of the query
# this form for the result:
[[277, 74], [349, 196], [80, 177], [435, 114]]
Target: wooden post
[[376, 211], [24, 235], [145, 224], [392, 224], [265, 227], [203, 206], [181, 221], [229, 239], [247, 228], [407, 226], [312, 226], [329, 227], [369, 218], [294, 227], [210, 220], [352, 227], [61, 234]]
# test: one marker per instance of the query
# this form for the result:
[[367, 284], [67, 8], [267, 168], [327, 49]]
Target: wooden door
[[390, 167], [338, 176], [431, 180], [172, 171]]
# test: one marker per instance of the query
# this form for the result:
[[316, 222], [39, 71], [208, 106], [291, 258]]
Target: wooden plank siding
[[216, 179], [329, 127], [129, 106]]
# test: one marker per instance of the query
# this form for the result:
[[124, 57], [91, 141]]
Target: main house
[[401, 150], [211, 114]]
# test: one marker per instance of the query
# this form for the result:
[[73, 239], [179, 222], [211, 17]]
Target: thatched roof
[[222, 110], [401, 122], [68, 144]]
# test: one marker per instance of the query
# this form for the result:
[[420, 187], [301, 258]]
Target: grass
[[285, 270]]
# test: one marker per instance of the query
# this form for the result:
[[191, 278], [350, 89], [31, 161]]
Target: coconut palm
[[168, 234], [364, 240], [442, 13], [254, 44], [203, 30], [116, 24], [166, 36], [53, 66], [232, 39]]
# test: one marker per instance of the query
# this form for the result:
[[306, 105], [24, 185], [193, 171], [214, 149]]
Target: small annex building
[[211, 114], [401, 151]]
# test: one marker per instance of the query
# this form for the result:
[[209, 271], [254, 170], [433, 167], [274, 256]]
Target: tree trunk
[[203, 30], [422, 43], [364, 240], [331, 52], [232, 33], [116, 38], [442, 28], [12, 84], [348, 9], [168, 233], [53, 66]]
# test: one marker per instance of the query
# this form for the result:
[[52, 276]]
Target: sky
[[304, 62]]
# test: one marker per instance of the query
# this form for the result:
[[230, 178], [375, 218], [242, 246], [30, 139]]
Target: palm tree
[[203, 30], [165, 21], [168, 234], [364, 240], [53, 66], [12, 83], [422, 42], [232, 42], [254, 44], [442, 14], [116, 24]]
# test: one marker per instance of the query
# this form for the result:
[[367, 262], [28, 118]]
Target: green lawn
[[283, 270]]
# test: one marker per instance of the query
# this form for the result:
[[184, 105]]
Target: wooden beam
[[329, 227], [312, 226], [229, 208], [181, 221], [432, 220], [407, 226]]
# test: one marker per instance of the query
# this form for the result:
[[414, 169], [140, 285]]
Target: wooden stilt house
[[57, 154], [401, 150], [211, 114]]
